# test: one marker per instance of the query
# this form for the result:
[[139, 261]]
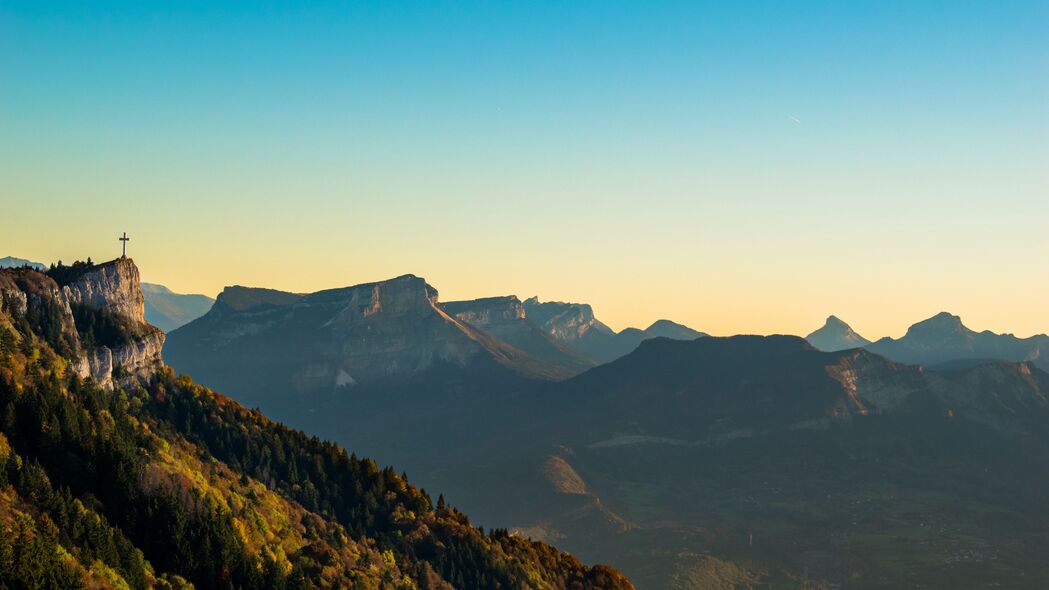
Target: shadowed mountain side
[[666, 460]]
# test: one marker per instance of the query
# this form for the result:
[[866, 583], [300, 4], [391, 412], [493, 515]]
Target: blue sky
[[739, 166]]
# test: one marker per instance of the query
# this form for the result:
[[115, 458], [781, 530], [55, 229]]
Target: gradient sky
[[736, 166]]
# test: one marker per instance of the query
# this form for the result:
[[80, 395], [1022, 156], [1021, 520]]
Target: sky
[[741, 167]]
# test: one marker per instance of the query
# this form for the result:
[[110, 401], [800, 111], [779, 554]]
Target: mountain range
[[117, 474], [942, 340], [690, 462], [12, 262]]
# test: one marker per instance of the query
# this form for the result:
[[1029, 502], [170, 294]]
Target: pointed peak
[[835, 321], [836, 335]]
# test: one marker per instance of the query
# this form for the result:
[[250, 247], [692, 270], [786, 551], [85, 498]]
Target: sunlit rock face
[[568, 322], [112, 289], [114, 286], [505, 318]]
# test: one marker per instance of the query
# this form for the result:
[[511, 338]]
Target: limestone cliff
[[94, 316], [258, 343], [114, 286], [505, 319], [575, 325]]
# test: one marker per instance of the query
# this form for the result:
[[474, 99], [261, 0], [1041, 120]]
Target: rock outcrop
[[505, 318], [95, 317], [114, 286]]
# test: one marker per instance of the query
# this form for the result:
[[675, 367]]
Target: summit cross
[[123, 245]]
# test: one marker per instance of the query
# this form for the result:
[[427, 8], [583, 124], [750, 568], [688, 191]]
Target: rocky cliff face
[[114, 286], [505, 318], [259, 343], [575, 325], [106, 294], [568, 322]]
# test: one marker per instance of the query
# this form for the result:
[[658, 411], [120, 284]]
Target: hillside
[[756, 462], [153, 481]]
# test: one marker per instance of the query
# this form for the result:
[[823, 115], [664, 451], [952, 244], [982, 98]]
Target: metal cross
[[123, 246]]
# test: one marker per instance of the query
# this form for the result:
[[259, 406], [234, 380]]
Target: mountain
[[575, 325], [628, 339], [94, 314], [270, 348], [167, 310], [163, 308], [505, 318], [12, 262], [836, 335], [943, 338], [153, 481], [748, 462], [712, 462]]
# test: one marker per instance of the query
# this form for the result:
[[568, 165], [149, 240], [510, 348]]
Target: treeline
[[64, 275]]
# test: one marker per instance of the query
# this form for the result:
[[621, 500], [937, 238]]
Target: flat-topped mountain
[[256, 343], [943, 338], [836, 335], [575, 325]]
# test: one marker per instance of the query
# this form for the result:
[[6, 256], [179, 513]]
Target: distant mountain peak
[[941, 324], [835, 321], [14, 262], [836, 335]]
